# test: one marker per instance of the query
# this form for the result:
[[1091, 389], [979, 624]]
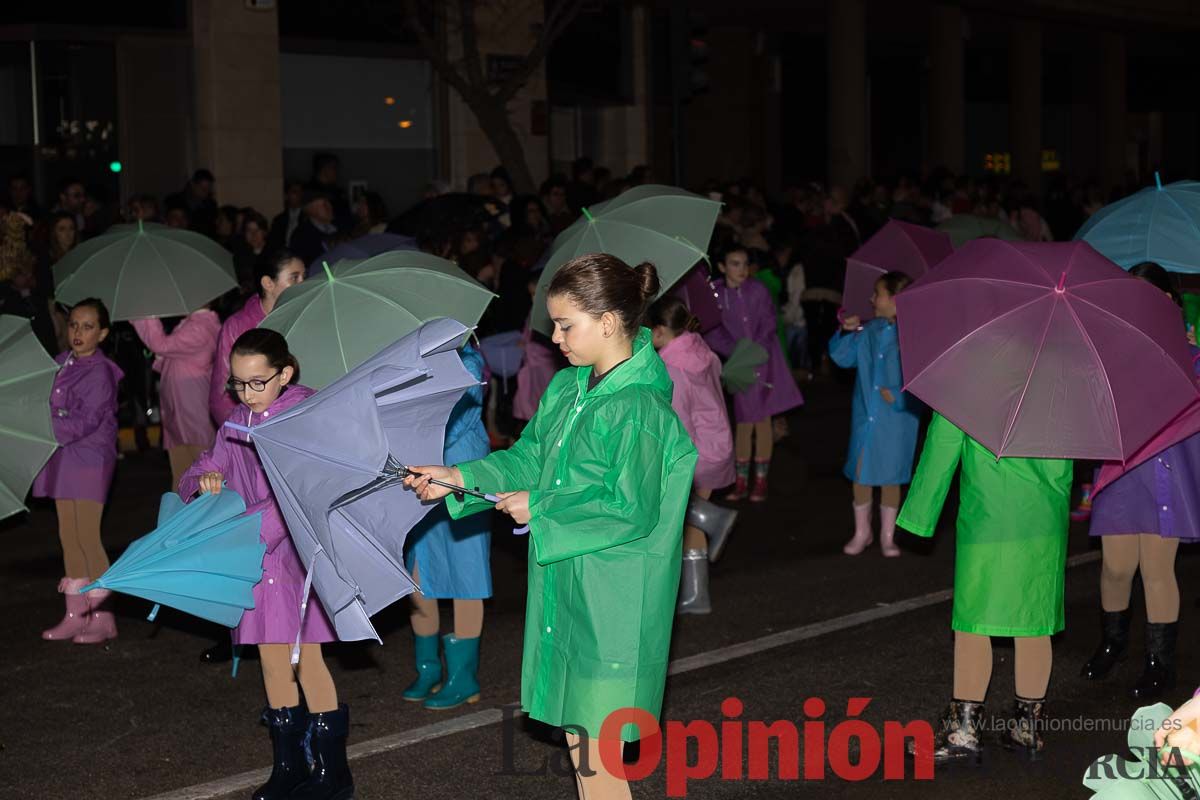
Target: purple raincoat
[[697, 399], [748, 313], [276, 613], [184, 358], [83, 408], [220, 402]]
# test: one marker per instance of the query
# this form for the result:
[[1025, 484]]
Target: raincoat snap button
[[548, 629], [558, 481], [1164, 508], [271, 580]]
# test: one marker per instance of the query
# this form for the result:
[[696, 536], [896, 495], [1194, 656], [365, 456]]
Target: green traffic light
[[115, 166]]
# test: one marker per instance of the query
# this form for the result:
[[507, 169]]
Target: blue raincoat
[[883, 435], [453, 555]]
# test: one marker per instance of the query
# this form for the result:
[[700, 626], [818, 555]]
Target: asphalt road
[[143, 718]]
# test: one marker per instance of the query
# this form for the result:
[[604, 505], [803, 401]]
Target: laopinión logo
[[740, 749]]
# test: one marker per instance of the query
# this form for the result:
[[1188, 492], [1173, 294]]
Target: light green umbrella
[[145, 270], [1144, 777], [666, 226], [26, 432], [739, 372], [335, 323], [962, 228]]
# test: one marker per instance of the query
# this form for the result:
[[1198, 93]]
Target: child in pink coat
[[700, 404], [184, 359]]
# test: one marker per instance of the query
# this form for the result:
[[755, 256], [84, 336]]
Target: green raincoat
[[609, 472], [1010, 556]]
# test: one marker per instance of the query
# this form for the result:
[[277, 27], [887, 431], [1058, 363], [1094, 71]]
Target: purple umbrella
[[361, 248], [1045, 350], [697, 292], [321, 453], [897, 247]]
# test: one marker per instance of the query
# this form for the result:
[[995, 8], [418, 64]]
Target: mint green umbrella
[[740, 370], [26, 432], [664, 225], [145, 270], [335, 323], [962, 228], [1144, 777]]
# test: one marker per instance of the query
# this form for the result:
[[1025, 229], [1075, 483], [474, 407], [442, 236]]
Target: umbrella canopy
[[362, 248], [204, 558], [962, 228], [897, 247], [740, 370], [1183, 426], [666, 226], [699, 295], [1159, 223], [503, 353], [392, 408], [145, 270], [26, 432], [1144, 776], [333, 325], [1044, 350]]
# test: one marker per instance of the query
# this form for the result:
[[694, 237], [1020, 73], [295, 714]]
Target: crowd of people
[[778, 267]]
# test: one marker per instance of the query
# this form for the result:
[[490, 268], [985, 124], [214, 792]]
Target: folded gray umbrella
[[332, 459]]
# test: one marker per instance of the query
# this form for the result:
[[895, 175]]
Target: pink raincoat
[[537, 368], [276, 613], [700, 404], [83, 410], [184, 358], [220, 402]]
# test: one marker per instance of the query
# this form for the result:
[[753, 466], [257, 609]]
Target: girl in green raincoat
[[1009, 568], [601, 475]]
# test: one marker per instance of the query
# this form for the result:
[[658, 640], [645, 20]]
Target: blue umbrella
[[1159, 223], [503, 353], [391, 409], [204, 559], [361, 248]]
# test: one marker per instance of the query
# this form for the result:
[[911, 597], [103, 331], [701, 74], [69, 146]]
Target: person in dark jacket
[[316, 228]]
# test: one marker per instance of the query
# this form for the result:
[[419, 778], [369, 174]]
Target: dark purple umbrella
[[697, 291], [897, 247], [361, 248]]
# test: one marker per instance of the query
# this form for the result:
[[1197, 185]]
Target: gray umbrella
[[321, 454]]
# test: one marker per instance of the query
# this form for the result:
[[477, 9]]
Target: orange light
[[390, 101], [405, 123]]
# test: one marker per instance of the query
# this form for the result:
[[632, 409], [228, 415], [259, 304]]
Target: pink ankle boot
[[887, 530], [77, 607], [862, 531], [99, 625]]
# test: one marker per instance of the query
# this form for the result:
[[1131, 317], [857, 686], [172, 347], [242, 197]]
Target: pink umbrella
[[1045, 350], [697, 292], [897, 247], [1185, 425]]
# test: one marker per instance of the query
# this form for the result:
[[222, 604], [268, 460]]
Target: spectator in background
[[142, 207], [20, 197], [225, 227], [315, 229], [249, 250], [640, 175], [480, 185], [286, 221], [177, 217], [370, 215], [326, 177], [554, 200], [71, 199], [502, 188], [196, 198], [60, 237], [19, 293], [581, 191]]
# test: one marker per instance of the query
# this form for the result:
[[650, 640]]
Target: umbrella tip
[[588, 214], [1157, 180], [328, 271], [1062, 282], [140, 228]]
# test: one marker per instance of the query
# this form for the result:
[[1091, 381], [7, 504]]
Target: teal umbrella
[[204, 559], [26, 432], [664, 225], [335, 324], [962, 228], [145, 270], [1144, 777], [740, 370], [1159, 223]]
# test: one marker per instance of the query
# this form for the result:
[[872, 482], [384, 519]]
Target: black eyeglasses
[[237, 387]]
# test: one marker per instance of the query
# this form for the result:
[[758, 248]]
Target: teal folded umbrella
[[203, 559], [1143, 777], [740, 370]]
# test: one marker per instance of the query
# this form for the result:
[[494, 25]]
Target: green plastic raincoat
[[609, 472], [1010, 556]]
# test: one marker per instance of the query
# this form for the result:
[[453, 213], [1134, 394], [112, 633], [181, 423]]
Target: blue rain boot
[[429, 670], [290, 766], [462, 662], [330, 778]]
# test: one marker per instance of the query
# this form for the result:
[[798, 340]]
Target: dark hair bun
[[648, 276]]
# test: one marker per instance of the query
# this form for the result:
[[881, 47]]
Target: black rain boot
[[1025, 731], [959, 737], [330, 779], [288, 728], [1159, 674], [1114, 627]]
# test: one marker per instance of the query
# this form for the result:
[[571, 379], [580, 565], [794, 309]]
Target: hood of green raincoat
[[644, 368]]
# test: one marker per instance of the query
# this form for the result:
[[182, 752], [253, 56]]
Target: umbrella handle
[[521, 531]]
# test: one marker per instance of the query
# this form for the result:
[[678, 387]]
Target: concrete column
[[238, 128], [1025, 102], [947, 131], [847, 42], [624, 136], [1113, 113]]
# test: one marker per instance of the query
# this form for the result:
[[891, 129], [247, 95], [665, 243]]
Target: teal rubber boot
[[462, 662], [429, 670]]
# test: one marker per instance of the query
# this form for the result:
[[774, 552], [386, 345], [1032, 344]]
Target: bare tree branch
[[561, 16], [434, 52], [470, 44]]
